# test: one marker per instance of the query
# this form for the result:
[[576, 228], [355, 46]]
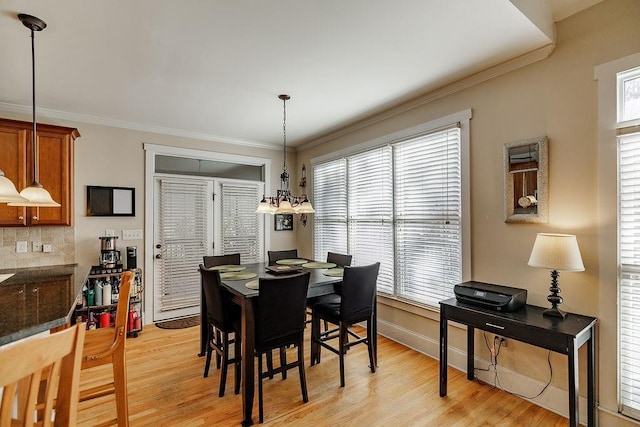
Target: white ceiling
[[213, 68]]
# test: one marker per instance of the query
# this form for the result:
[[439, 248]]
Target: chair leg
[[207, 363], [315, 335], [342, 341], [225, 363], [218, 340], [270, 364], [372, 359], [303, 379], [283, 362], [120, 385], [238, 365], [260, 407]]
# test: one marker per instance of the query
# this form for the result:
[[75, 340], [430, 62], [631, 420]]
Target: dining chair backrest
[[281, 310], [54, 359], [212, 261], [219, 305], [278, 255], [340, 260], [358, 292]]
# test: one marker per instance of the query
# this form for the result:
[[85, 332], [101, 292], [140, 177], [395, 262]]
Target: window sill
[[411, 307]]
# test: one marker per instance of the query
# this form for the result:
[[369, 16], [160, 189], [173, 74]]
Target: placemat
[[227, 267], [319, 265], [252, 284], [334, 272], [232, 275], [294, 261]]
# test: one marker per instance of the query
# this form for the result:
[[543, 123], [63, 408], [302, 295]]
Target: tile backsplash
[[61, 239]]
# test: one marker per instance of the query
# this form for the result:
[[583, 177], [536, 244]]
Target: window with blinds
[[399, 204], [628, 95], [241, 227], [629, 280], [183, 230]]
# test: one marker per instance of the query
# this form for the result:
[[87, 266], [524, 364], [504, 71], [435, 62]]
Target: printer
[[500, 298]]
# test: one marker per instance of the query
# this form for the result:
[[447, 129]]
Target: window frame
[[463, 118]]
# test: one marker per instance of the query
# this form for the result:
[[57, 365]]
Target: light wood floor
[[166, 388]]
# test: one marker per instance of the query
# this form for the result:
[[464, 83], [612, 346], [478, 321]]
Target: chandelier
[[284, 202]]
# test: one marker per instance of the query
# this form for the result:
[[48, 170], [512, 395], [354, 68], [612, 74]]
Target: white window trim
[[463, 117]]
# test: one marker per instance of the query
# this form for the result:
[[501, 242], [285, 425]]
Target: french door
[[183, 234]]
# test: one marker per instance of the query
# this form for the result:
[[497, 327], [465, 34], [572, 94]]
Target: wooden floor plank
[[166, 388]]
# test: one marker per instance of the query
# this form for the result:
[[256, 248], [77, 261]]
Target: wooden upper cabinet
[[55, 170]]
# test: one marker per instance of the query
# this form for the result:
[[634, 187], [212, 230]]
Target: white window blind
[[241, 226], [370, 201], [428, 216], [183, 230], [403, 208], [330, 204], [629, 281]]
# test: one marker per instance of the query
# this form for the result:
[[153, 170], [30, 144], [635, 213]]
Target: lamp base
[[554, 312]]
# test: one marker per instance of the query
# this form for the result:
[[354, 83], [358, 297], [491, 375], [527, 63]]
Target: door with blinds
[[241, 229], [183, 223]]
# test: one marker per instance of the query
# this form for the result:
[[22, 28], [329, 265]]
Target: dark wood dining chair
[[278, 255], [223, 319], [355, 305], [212, 261], [340, 260], [280, 323], [215, 260]]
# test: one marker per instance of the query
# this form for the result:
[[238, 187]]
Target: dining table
[[320, 283]]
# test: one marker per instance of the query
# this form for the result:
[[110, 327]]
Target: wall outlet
[[21, 247], [499, 341], [46, 248], [36, 246], [109, 233], [131, 234]]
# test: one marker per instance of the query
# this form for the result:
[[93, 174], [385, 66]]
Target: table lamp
[[558, 252]]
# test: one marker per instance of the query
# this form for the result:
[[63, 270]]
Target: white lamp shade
[[264, 207], [8, 192], [36, 196], [305, 208], [284, 207], [556, 252]]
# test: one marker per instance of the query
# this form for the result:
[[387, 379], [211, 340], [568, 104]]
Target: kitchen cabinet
[[55, 170]]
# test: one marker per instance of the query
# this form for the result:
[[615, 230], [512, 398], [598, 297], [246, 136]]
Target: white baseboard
[[553, 399]]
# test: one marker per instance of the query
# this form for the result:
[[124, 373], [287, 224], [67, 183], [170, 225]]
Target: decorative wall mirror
[[526, 181]]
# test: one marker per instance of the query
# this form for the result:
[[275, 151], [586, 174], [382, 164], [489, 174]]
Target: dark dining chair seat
[[223, 319], [279, 322], [355, 305]]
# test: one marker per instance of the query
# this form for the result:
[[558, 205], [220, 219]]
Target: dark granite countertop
[[38, 299]]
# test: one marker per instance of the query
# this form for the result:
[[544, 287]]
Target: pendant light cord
[[33, 99]]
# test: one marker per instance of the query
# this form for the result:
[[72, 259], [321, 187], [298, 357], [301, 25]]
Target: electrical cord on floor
[[495, 352]]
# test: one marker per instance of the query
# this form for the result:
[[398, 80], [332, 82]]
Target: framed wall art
[[283, 222]]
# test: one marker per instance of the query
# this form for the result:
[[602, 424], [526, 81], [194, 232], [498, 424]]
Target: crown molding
[[465, 83], [83, 118]]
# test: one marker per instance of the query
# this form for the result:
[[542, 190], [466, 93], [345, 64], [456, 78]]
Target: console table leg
[[591, 384], [573, 384], [443, 356], [470, 353]]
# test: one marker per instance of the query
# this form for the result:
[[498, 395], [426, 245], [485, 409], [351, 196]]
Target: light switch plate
[[109, 233], [131, 234], [46, 248], [21, 247], [36, 246]]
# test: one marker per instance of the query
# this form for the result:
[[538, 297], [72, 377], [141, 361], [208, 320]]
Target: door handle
[[158, 256]]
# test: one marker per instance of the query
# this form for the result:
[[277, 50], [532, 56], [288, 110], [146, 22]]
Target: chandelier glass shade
[[284, 202]]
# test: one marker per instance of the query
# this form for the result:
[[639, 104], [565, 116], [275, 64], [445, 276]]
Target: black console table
[[529, 326]]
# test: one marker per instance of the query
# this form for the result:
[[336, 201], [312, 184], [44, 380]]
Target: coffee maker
[[109, 256]]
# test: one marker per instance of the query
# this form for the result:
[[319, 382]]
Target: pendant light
[[8, 192], [284, 202], [35, 194]]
